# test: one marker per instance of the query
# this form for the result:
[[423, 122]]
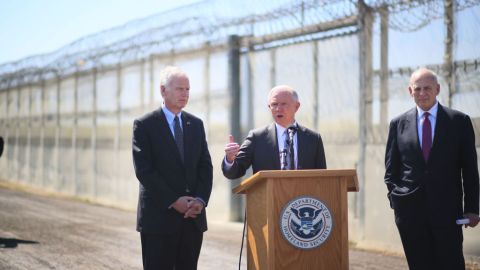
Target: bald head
[[283, 88], [424, 73]]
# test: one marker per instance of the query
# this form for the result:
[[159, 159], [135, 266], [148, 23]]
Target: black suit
[[260, 150], [1, 146], [427, 197], [164, 177]]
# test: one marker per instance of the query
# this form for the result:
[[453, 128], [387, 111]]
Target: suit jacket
[[162, 174], [436, 184], [1, 146], [260, 150]]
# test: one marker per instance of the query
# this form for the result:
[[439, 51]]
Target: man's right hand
[[474, 219], [231, 149]]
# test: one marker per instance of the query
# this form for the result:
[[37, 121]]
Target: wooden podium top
[[350, 174]]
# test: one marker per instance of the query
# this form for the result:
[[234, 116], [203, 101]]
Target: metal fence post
[[365, 99], [234, 88]]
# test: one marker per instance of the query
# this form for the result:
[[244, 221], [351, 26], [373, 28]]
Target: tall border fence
[[67, 117]]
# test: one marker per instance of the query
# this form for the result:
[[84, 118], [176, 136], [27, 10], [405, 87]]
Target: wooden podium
[[284, 208]]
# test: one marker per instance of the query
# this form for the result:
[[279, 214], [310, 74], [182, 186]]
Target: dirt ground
[[48, 232]]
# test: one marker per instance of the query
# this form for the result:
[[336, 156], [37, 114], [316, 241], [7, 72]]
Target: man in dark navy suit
[[173, 165], [1, 145], [264, 147], [432, 177]]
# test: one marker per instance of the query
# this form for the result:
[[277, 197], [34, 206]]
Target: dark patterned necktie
[[177, 130], [290, 155], [426, 136], [283, 159]]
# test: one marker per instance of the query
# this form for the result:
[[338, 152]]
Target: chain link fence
[[67, 116]]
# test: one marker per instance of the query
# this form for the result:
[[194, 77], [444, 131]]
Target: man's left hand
[[474, 219], [195, 207]]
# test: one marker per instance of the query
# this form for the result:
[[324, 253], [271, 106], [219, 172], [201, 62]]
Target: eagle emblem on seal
[[306, 222]]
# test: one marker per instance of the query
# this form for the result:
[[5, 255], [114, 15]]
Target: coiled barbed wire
[[211, 21]]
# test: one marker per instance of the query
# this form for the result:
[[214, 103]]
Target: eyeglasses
[[278, 105]]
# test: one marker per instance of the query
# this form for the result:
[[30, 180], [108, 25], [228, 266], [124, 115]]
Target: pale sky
[[31, 27]]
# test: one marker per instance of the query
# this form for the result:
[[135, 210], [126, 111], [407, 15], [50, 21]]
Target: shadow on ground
[[13, 242]]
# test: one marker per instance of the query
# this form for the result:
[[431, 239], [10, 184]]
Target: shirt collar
[[433, 111], [170, 115], [281, 130]]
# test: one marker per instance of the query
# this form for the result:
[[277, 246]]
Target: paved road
[[45, 232]]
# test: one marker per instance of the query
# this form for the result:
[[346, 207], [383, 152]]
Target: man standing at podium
[[281, 145], [432, 177]]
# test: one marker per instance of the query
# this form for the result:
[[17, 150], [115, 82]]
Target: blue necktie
[[177, 130]]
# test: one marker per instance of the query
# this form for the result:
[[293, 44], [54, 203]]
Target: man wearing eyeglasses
[[283, 144]]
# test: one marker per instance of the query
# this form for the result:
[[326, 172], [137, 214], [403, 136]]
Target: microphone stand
[[283, 159]]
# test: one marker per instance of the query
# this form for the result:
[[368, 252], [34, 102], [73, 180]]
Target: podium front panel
[[331, 254], [257, 236], [284, 208]]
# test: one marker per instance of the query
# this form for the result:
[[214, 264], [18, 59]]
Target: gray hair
[[168, 73], [285, 88]]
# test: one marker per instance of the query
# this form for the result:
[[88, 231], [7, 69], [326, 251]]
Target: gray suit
[[260, 150]]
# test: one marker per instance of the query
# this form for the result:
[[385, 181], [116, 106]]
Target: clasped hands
[[189, 206]]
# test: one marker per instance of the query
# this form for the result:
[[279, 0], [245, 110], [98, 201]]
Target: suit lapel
[[188, 137], [272, 141], [440, 129], [411, 129], [301, 142], [166, 133]]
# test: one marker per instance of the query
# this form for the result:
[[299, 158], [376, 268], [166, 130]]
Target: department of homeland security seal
[[306, 222]]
